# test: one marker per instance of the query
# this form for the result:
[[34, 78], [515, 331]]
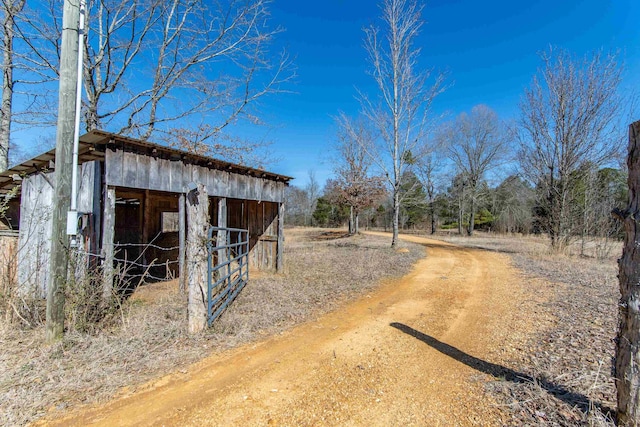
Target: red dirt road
[[397, 356]]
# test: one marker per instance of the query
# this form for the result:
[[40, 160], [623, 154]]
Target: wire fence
[[135, 261]]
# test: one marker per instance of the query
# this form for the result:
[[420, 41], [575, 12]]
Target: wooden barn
[[131, 198]]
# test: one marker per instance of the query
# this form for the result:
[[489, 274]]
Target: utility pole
[[63, 169]]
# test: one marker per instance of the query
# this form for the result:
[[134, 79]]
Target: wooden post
[[182, 234], [222, 235], [280, 244], [146, 222], [627, 362], [198, 223], [63, 166], [108, 231]]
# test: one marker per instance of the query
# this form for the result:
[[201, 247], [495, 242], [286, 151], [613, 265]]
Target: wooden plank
[[232, 186], [182, 234], [280, 245], [165, 174], [86, 174], [244, 184], [142, 171], [255, 190], [211, 182], [113, 167], [176, 182], [34, 242], [129, 169], [155, 174], [198, 224], [223, 184], [146, 224], [96, 210], [192, 173], [222, 222], [108, 230]]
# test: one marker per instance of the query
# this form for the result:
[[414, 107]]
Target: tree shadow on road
[[501, 372]]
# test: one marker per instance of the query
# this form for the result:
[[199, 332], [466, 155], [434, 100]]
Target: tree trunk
[[8, 24], [472, 216], [350, 220], [396, 216], [627, 362], [460, 215], [432, 213], [356, 222], [197, 234]]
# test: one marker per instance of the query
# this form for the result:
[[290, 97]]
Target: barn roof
[[92, 146]]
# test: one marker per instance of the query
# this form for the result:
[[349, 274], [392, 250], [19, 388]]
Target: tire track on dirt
[[396, 356]]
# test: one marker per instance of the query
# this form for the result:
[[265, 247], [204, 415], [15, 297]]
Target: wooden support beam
[[182, 235], [108, 231], [145, 224], [280, 246], [222, 222], [197, 233]]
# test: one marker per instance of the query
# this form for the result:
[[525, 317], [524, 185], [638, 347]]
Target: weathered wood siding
[[34, 243], [8, 261], [125, 169]]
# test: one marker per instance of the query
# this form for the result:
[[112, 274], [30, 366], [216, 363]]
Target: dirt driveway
[[417, 351]]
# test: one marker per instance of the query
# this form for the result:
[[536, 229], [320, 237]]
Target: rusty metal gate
[[228, 268]]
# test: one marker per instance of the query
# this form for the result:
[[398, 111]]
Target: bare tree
[[295, 201], [401, 110], [355, 186], [428, 170], [312, 190], [228, 147], [567, 118], [512, 206], [9, 9], [476, 143], [203, 63]]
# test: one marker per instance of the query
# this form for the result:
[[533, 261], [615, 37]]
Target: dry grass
[[574, 301], [323, 270]]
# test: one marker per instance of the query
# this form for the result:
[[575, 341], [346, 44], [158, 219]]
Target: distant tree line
[[511, 206]]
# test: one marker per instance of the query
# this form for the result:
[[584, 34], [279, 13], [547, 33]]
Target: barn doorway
[[146, 241]]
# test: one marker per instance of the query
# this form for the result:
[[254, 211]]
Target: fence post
[[222, 236], [280, 244], [627, 361], [197, 233], [108, 230], [182, 234]]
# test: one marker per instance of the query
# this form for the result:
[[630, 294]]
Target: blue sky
[[489, 50]]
